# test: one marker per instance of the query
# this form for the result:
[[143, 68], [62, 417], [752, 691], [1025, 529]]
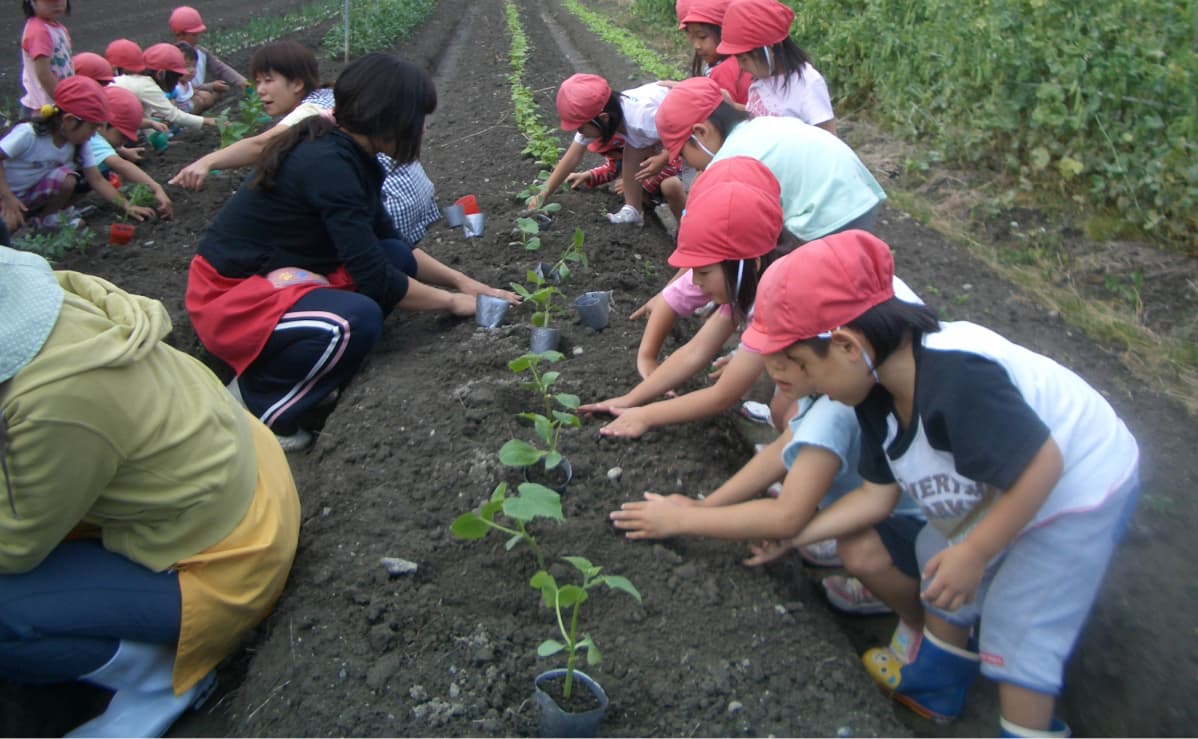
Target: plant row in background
[[263, 29], [542, 141], [628, 45], [376, 24], [1095, 101]]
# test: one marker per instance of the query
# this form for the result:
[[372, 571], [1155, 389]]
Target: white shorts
[[1034, 599]]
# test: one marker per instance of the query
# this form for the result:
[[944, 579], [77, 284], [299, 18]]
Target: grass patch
[[377, 24], [259, 31], [628, 43]]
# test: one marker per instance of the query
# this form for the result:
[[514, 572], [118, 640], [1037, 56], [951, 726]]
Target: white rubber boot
[[144, 703]]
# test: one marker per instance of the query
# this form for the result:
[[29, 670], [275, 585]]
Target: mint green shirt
[[824, 185]]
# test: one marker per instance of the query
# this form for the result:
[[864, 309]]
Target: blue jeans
[[65, 617]]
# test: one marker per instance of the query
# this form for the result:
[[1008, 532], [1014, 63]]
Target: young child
[[702, 21], [91, 64], [162, 70], [45, 52], [613, 153], [726, 273], [1026, 475], [825, 187], [588, 107], [785, 83], [213, 78], [42, 160], [739, 214], [125, 116], [184, 94]]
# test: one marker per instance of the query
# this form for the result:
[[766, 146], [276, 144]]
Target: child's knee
[[863, 553]]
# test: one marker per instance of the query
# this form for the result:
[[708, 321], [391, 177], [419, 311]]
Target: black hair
[[189, 52], [885, 326], [165, 78], [379, 96], [787, 59], [288, 58], [727, 117], [744, 297], [615, 117], [27, 6], [47, 126], [698, 64]]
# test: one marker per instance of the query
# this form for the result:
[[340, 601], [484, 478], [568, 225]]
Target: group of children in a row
[[47, 157], [960, 479]]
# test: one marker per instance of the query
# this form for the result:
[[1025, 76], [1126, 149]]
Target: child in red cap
[[757, 33], [588, 107], [45, 52], [42, 160], [1025, 473], [120, 131], [164, 67], [91, 64], [213, 78], [702, 21]]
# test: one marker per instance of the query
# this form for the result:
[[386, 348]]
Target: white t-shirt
[[639, 106], [314, 103], [983, 409], [32, 157], [804, 97]]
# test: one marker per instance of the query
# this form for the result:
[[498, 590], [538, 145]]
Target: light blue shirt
[[824, 185], [830, 425], [101, 150]]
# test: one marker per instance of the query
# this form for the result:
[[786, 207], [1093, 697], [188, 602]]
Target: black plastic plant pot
[[555, 720], [557, 478], [544, 339]]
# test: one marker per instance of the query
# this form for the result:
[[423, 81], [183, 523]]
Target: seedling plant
[[534, 501], [556, 412], [53, 245], [572, 597], [542, 293], [138, 194]]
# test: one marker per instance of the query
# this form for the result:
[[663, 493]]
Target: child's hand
[[13, 211], [644, 311], [605, 406], [717, 367], [630, 423], [578, 179], [159, 126], [131, 153], [652, 165], [766, 551], [139, 213], [654, 518], [166, 209], [954, 574], [535, 201]]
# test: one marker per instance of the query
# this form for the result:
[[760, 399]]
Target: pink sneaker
[[821, 554], [848, 595]]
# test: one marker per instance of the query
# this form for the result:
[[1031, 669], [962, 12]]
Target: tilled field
[[714, 649]]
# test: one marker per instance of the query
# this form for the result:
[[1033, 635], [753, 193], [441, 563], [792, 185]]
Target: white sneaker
[[297, 442], [627, 214], [847, 594], [821, 554]]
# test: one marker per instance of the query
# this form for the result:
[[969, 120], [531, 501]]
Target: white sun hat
[[30, 300]]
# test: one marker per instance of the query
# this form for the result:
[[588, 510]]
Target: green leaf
[[490, 508], [517, 453], [519, 364], [583, 565], [566, 419], [540, 320], [469, 526], [528, 225], [544, 428], [553, 459], [568, 595], [563, 270], [1039, 158], [534, 501], [549, 378], [618, 582], [594, 657], [1070, 167], [549, 647], [511, 543], [569, 400], [533, 244], [541, 579], [552, 207], [521, 291], [552, 356], [499, 492]]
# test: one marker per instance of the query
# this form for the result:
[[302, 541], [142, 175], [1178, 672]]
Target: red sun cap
[[710, 12], [819, 287], [126, 55], [126, 111], [83, 98], [580, 99], [751, 24], [90, 64], [166, 57], [680, 9], [734, 211], [689, 102], [186, 19]]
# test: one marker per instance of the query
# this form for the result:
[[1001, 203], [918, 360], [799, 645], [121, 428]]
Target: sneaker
[[821, 554], [848, 595], [627, 214], [754, 411], [297, 442], [774, 490]]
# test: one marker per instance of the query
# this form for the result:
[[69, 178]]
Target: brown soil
[[714, 649]]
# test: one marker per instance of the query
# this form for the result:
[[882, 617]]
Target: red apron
[[234, 317]]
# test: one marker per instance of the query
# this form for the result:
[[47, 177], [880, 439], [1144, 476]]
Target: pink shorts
[[46, 188]]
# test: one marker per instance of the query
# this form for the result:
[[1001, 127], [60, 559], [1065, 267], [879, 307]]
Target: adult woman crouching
[[147, 521], [293, 279]]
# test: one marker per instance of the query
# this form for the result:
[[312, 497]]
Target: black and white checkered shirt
[[409, 198]]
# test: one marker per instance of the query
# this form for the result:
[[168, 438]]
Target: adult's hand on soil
[[471, 286], [190, 177], [766, 551], [656, 517], [461, 304], [954, 575]]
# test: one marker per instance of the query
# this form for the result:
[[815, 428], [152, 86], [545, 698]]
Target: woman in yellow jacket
[[146, 520]]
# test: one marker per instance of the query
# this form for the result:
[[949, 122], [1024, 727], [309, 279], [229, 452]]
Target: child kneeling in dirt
[[1025, 473], [733, 207], [588, 107], [293, 279], [146, 521]]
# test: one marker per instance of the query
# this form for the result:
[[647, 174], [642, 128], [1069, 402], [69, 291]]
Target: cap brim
[[685, 260], [675, 151], [759, 342], [730, 49], [572, 125]]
